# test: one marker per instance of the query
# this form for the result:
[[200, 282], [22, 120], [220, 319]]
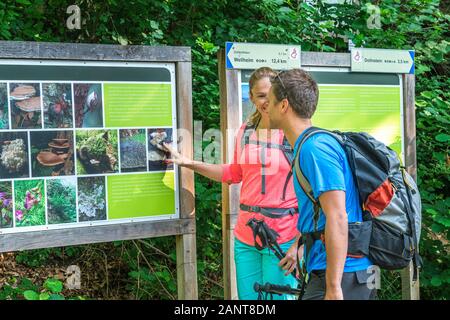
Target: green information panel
[[364, 102], [80, 144], [372, 109], [141, 195], [145, 104]]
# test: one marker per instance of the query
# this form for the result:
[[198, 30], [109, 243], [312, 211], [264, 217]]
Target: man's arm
[[336, 238]]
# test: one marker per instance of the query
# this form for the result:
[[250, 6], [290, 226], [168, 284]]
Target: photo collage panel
[[55, 153]]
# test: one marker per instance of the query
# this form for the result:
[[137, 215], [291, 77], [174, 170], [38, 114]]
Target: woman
[[262, 165]]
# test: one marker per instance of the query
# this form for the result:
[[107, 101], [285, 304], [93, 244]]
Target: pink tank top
[[247, 167]]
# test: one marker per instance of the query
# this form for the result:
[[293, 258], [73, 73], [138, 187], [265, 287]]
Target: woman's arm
[[211, 171]]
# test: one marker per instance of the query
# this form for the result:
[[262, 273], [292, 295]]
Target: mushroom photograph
[[29, 202], [6, 205], [88, 105], [91, 199], [52, 153], [132, 150], [61, 200], [4, 115], [26, 107], [14, 155], [97, 151], [156, 152], [57, 98]]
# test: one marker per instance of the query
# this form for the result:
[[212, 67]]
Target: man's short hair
[[299, 88]]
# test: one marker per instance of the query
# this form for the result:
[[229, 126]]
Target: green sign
[[253, 56], [80, 144], [382, 61]]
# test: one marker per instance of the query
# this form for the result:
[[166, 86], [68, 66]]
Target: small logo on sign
[[293, 54], [357, 56]]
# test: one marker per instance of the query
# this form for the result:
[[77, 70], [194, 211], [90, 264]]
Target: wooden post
[[229, 120], [186, 243], [410, 288]]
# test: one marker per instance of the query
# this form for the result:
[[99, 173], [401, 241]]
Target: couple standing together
[[270, 191]]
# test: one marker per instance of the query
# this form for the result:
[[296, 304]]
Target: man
[[333, 275]]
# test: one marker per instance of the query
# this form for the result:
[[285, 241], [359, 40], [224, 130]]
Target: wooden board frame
[[183, 228], [229, 113]]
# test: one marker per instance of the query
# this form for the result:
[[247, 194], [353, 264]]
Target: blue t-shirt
[[324, 164]]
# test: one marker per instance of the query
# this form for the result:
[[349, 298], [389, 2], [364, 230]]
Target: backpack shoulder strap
[[247, 132], [302, 180], [287, 150]]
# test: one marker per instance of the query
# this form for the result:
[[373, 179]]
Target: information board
[[80, 143]]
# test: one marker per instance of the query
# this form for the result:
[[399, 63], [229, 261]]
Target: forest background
[[146, 269]]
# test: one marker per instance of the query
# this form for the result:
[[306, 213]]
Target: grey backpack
[[390, 231]]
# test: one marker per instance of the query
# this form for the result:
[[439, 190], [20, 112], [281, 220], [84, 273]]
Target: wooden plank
[[325, 59], [229, 123], [409, 116], [185, 136], [410, 288], [96, 52], [94, 234], [186, 244], [187, 267]]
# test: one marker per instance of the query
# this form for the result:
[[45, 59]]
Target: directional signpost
[[255, 55], [382, 61]]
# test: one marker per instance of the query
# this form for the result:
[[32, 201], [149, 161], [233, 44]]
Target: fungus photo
[[132, 150], [4, 115], [156, 152], [26, 107], [14, 155], [91, 199], [97, 151], [52, 153], [29, 202], [88, 105], [57, 98]]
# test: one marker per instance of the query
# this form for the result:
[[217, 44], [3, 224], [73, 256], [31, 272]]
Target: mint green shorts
[[253, 266]]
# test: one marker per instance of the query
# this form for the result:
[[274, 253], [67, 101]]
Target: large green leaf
[[53, 285], [31, 295], [442, 137]]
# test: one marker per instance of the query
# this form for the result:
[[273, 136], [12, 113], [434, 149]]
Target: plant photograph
[[97, 151], [61, 200], [91, 199], [4, 114], [57, 98], [133, 155], [6, 205], [88, 105], [29, 202]]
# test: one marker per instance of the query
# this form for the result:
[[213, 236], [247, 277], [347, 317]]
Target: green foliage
[[52, 290], [96, 146], [422, 25], [14, 288], [61, 201], [433, 120]]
